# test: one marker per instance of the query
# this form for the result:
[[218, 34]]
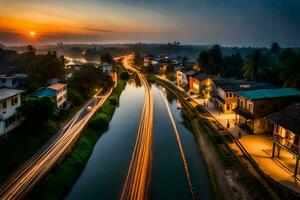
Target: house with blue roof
[[57, 91], [253, 107]]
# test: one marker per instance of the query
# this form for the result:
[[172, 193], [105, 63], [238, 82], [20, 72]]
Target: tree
[[124, 75], [31, 50], [169, 66], [137, 58], [62, 59], [203, 61], [234, 64], [275, 48], [215, 60], [106, 58], [289, 68], [88, 79], [184, 60], [37, 111], [43, 68], [252, 65]]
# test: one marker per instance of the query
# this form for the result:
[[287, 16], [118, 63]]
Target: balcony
[[278, 138], [288, 145]]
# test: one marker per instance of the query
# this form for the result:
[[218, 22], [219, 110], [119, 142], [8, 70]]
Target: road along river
[[106, 171]]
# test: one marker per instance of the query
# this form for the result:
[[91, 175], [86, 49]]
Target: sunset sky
[[227, 22]]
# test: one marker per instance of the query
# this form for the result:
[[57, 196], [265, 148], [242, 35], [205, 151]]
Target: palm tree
[[252, 65], [31, 50], [275, 48], [215, 60], [290, 68], [203, 61]]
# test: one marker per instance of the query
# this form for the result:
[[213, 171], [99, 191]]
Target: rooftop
[[189, 64], [12, 76], [45, 92], [57, 86], [229, 85], [269, 93], [289, 118], [189, 72], [6, 93], [202, 77]]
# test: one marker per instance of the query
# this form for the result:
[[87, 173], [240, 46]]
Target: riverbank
[[230, 177], [61, 178], [28, 143]]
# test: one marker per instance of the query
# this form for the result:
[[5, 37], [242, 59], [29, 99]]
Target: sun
[[32, 33]]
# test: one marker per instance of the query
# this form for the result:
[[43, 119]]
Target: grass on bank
[[21, 144], [59, 181]]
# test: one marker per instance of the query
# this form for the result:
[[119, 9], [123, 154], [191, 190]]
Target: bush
[[75, 97], [99, 124], [113, 101], [124, 75]]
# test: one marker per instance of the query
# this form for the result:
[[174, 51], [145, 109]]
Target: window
[[14, 101], [230, 95], [242, 103], [10, 121], [4, 105], [228, 107], [276, 128]]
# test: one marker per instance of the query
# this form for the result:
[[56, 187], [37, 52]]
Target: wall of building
[[61, 97], [194, 85], [9, 114], [10, 109], [265, 107]]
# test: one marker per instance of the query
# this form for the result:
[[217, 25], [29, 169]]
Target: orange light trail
[[139, 174]]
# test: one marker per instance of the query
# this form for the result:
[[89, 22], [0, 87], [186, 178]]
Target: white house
[[182, 77], [107, 68], [13, 81], [57, 91], [10, 100]]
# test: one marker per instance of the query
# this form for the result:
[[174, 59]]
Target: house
[[13, 81], [57, 91], [158, 67], [10, 101], [107, 68], [176, 59], [286, 132], [201, 83], [182, 77], [254, 106], [224, 92], [150, 59], [189, 65]]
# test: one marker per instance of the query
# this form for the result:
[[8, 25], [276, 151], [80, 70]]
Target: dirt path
[[225, 185]]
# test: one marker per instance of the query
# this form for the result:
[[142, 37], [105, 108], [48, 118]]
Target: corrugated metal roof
[[269, 93], [7, 92], [288, 118], [57, 86]]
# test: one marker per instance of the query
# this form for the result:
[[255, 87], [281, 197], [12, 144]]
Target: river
[[106, 169]]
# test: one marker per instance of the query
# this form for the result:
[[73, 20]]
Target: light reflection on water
[[107, 167]]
